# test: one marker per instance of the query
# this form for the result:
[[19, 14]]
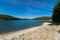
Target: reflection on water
[[10, 25]]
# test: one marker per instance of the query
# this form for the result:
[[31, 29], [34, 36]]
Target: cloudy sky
[[27, 8]]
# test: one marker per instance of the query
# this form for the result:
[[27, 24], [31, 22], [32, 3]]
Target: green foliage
[[58, 1], [42, 18], [8, 17], [56, 14]]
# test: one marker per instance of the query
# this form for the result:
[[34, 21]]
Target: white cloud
[[30, 2], [45, 4], [13, 2]]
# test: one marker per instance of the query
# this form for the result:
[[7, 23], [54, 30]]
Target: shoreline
[[44, 32], [19, 32]]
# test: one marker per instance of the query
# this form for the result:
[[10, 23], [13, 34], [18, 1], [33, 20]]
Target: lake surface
[[12, 25]]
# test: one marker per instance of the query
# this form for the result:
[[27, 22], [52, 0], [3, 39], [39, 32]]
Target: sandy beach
[[44, 32]]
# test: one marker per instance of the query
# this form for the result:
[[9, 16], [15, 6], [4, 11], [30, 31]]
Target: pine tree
[[56, 14]]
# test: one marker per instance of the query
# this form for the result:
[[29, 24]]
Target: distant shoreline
[[9, 17]]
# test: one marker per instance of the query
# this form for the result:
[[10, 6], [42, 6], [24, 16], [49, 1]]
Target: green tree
[[56, 13]]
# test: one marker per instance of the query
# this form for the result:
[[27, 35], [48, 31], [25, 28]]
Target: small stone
[[58, 31]]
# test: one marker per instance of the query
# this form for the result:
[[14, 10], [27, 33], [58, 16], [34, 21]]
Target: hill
[[8, 17], [42, 18]]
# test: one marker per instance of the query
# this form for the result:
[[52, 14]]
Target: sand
[[44, 32]]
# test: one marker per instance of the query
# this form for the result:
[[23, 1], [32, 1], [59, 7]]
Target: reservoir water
[[13, 25]]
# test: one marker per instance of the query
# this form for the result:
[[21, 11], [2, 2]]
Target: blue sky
[[27, 8]]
